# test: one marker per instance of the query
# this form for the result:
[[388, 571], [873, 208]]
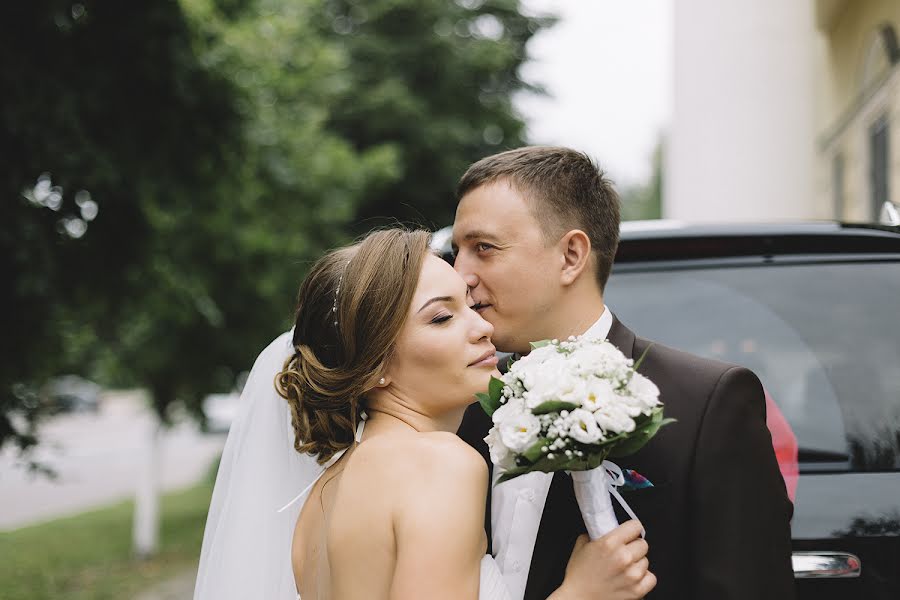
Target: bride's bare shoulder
[[424, 455]]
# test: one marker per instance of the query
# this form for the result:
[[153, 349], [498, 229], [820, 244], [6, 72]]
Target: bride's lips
[[488, 359]]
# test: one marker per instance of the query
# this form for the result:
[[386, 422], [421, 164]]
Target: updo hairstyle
[[350, 309]]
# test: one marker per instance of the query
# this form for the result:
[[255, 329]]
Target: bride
[[347, 425]]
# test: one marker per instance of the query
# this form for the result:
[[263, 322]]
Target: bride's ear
[[575, 251]]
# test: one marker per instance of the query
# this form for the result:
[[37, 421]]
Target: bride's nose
[[482, 328]]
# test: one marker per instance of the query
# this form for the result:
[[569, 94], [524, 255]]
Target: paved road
[[98, 459]]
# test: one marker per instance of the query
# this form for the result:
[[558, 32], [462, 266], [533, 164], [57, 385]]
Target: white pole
[[146, 501], [741, 145]]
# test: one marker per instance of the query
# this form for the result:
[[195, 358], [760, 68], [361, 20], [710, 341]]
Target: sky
[[608, 67]]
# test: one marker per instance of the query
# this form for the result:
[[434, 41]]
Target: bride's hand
[[613, 567]]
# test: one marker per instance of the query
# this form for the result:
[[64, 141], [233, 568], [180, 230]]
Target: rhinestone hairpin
[[337, 290]]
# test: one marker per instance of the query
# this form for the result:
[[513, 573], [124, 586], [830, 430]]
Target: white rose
[[500, 454], [553, 382], [520, 431], [644, 390], [533, 372], [583, 427], [509, 409], [533, 360], [613, 418]]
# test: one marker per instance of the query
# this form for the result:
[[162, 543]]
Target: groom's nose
[[463, 267]]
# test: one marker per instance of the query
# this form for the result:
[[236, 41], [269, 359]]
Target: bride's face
[[444, 354]]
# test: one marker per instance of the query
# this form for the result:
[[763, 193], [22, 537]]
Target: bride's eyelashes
[[441, 319]]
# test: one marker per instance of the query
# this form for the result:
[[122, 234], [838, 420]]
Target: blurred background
[[172, 168]]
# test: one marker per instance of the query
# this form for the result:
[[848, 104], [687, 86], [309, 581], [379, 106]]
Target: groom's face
[[507, 262]]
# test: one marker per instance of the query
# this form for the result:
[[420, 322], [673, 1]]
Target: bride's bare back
[[401, 516]]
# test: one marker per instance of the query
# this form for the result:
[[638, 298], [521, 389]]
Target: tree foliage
[[173, 167], [433, 80], [107, 114]]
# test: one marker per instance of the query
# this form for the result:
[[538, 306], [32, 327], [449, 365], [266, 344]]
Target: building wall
[[857, 86]]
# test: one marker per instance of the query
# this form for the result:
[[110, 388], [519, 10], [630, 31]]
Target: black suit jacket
[[718, 518]]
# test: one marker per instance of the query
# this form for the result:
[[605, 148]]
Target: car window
[[824, 340]]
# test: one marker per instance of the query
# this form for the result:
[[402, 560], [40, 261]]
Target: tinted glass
[[824, 340]]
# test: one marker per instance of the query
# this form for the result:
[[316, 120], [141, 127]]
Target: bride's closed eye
[[441, 319]]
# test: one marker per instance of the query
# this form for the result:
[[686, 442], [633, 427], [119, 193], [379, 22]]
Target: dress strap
[[337, 456]]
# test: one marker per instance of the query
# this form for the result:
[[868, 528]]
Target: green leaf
[[540, 344], [534, 453], [552, 406], [495, 390], [543, 465], [487, 404], [640, 361], [640, 436]]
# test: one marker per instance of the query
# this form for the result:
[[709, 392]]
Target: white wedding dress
[[246, 551]]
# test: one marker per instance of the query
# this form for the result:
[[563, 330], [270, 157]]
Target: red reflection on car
[[785, 444]]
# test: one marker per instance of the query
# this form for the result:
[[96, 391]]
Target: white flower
[[644, 390], [512, 407], [600, 358], [613, 418], [541, 372], [500, 454], [598, 393], [517, 427], [552, 381], [593, 375], [583, 427]]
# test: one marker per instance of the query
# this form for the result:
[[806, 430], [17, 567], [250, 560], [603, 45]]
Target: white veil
[[247, 542]]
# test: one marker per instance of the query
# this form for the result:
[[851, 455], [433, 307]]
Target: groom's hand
[[613, 567]]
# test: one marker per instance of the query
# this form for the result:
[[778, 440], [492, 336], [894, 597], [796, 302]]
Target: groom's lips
[[478, 307]]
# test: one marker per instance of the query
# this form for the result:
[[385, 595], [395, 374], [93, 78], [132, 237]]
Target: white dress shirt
[[521, 501]]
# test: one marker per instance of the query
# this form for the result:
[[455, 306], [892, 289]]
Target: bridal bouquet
[[568, 406]]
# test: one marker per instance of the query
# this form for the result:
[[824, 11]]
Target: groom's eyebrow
[[480, 235]]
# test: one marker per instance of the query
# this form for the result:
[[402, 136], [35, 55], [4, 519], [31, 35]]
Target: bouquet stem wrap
[[594, 490]]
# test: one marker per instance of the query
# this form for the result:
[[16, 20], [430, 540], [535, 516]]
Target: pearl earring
[[381, 381]]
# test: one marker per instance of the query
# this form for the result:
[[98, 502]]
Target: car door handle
[[808, 565]]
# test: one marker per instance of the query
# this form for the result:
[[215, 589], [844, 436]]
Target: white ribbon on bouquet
[[593, 490]]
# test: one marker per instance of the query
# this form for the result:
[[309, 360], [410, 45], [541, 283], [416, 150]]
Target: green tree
[[172, 167], [432, 80], [109, 120]]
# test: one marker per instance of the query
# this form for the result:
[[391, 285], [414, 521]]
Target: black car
[[814, 310]]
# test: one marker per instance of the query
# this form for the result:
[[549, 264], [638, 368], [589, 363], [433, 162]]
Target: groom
[[535, 235]]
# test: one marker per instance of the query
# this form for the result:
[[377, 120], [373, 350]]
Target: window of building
[[879, 165], [837, 185]]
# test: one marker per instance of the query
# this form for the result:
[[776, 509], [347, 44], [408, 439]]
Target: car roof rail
[[890, 213]]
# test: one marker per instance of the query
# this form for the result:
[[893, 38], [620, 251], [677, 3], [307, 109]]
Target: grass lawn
[[89, 555]]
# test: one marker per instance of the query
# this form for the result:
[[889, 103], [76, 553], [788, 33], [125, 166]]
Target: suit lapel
[[561, 521], [621, 337]]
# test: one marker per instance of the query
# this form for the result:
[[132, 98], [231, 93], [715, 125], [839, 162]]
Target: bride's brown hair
[[350, 310]]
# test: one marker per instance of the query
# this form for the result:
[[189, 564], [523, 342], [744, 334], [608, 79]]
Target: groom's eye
[[483, 247]]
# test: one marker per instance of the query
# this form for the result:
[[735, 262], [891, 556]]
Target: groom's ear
[[575, 247]]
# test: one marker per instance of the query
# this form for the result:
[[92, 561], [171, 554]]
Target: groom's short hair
[[565, 189]]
